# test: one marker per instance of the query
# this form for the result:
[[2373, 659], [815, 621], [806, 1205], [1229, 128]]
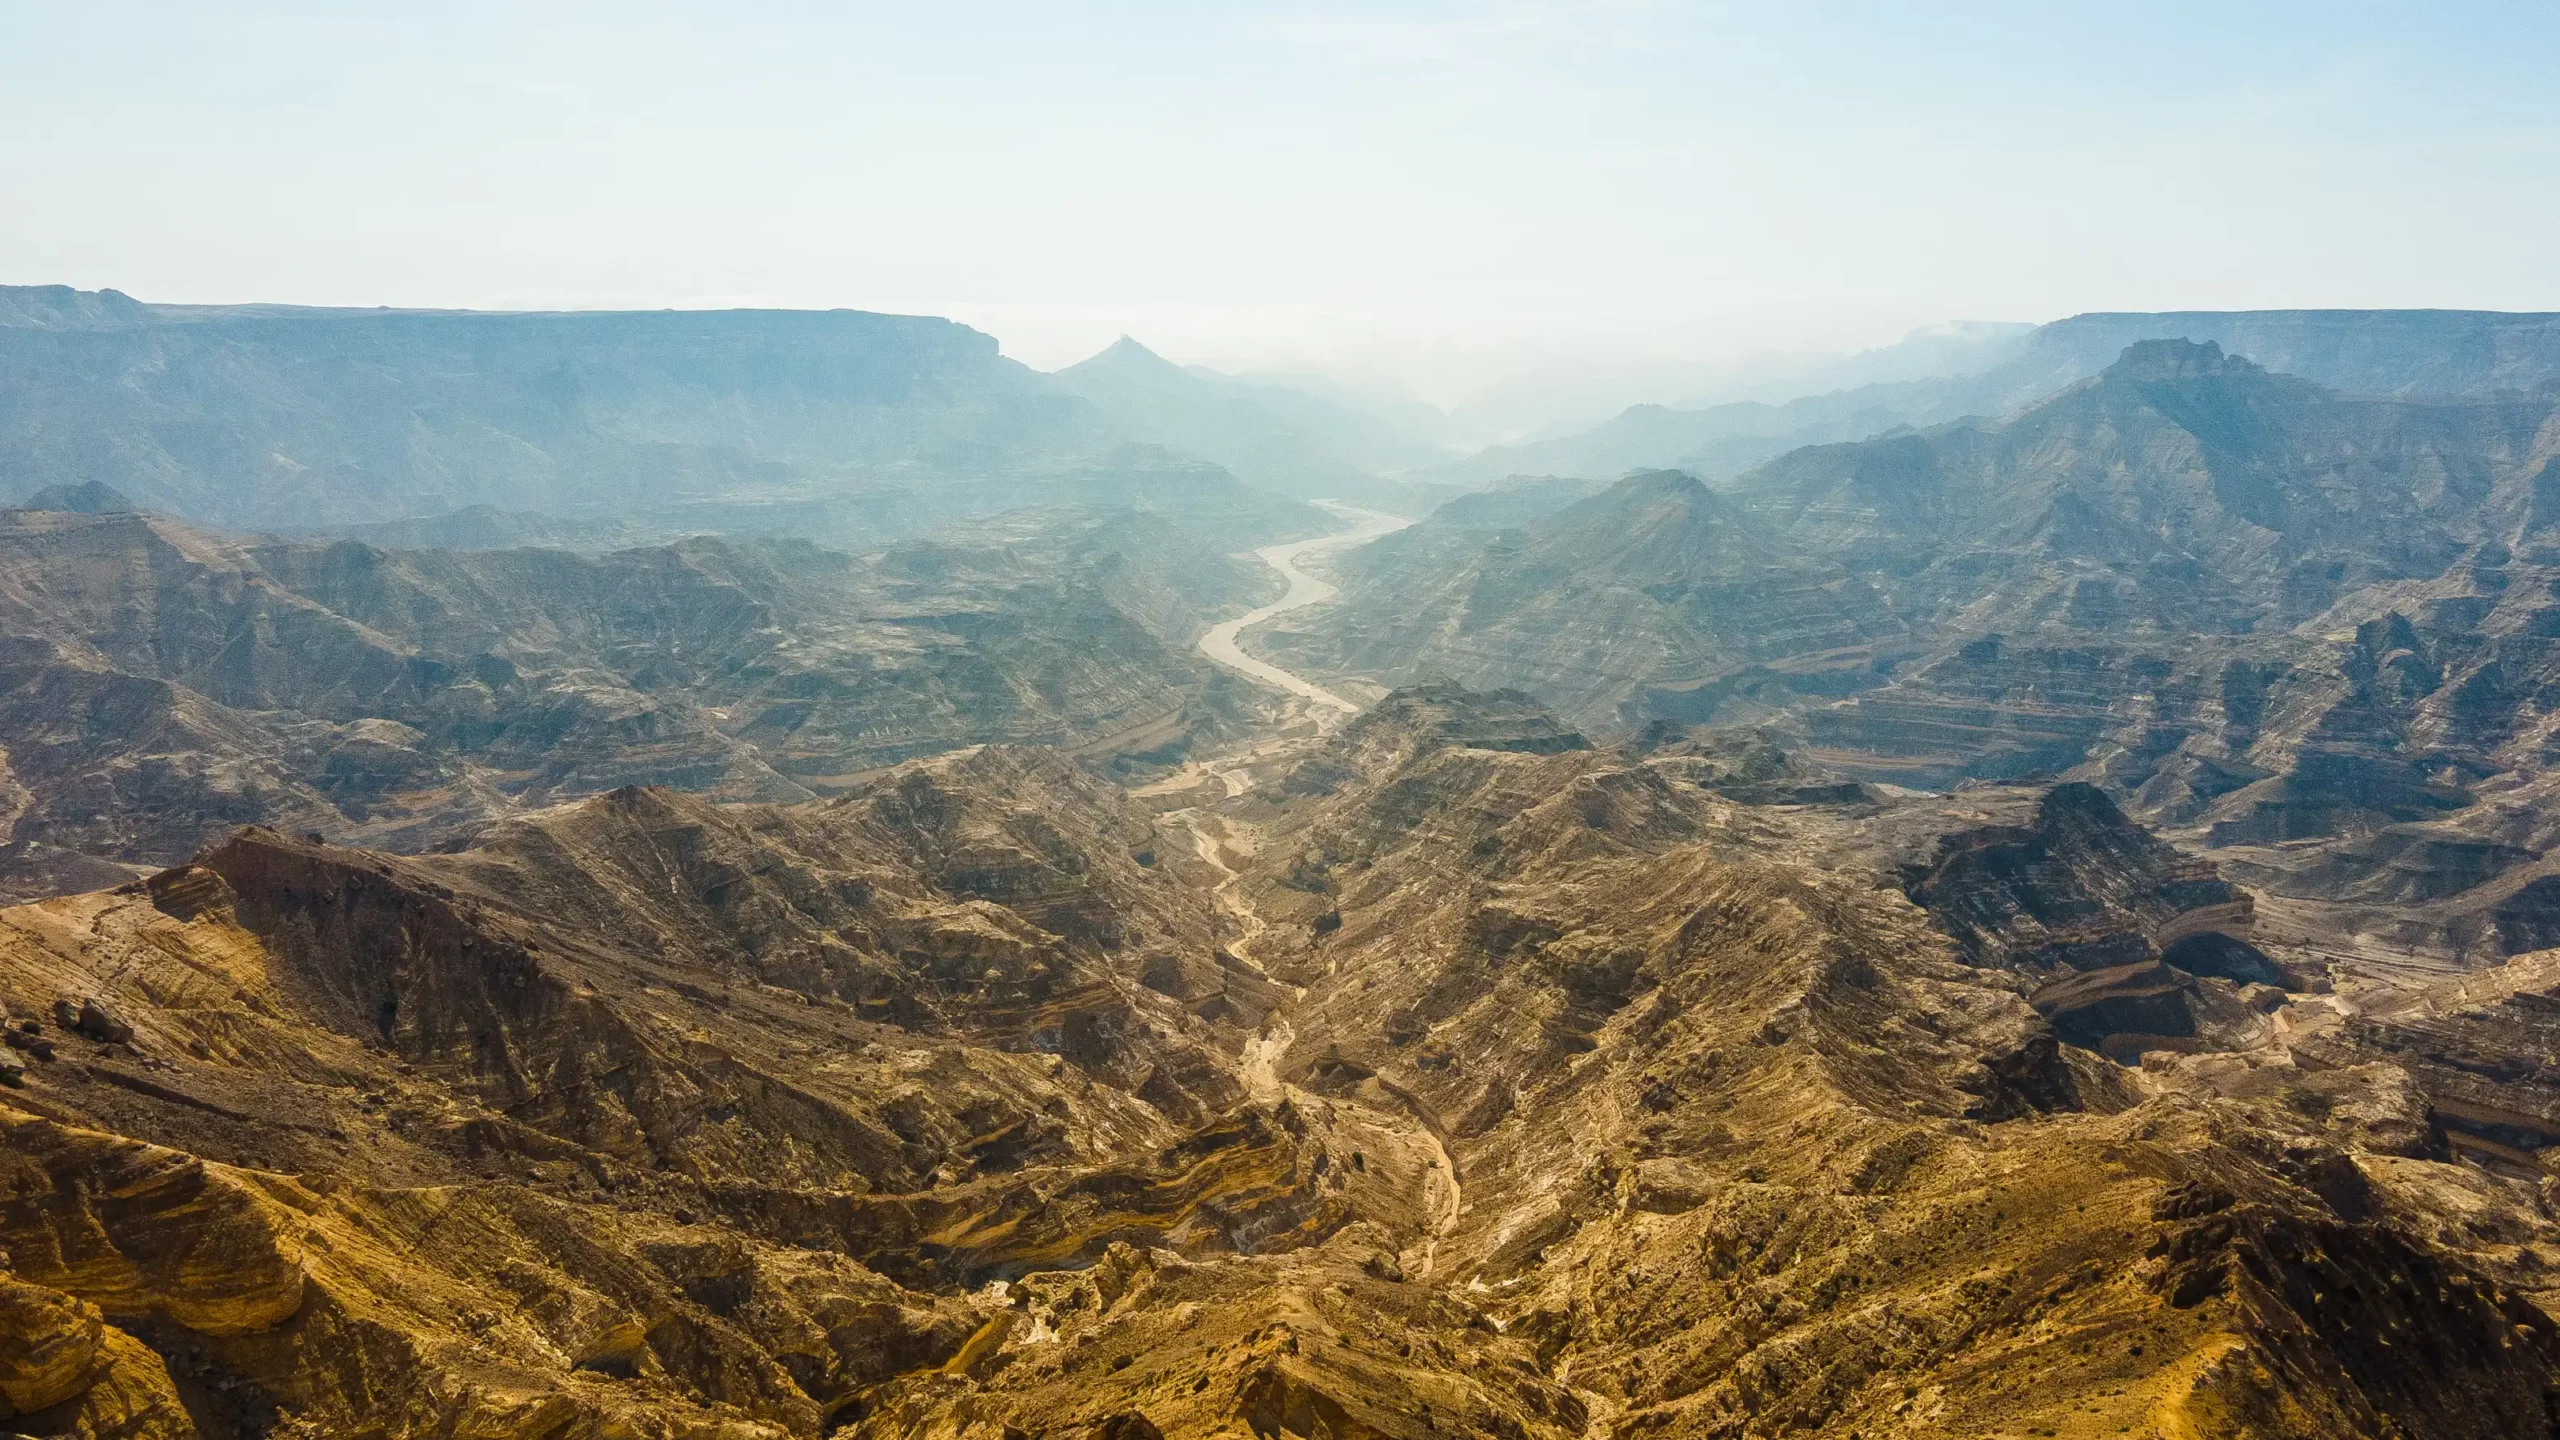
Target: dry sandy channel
[[1219, 643]]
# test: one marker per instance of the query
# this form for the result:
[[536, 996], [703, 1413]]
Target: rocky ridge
[[1451, 1074], [160, 684], [2295, 626]]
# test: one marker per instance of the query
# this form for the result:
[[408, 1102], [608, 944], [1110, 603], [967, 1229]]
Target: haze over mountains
[[1290, 440], [1991, 371], [861, 428], [685, 876]]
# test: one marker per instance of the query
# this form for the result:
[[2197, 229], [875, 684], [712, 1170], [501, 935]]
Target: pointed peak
[[1124, 354], [1128, 351]]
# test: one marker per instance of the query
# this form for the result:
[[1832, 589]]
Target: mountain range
[[1282, 438], [1458, 1076], [2410, 353], [162, 684], [690, 877], [2262, 610], [842, 426]]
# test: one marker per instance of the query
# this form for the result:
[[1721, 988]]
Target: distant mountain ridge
[[280, 417], [2182, 488], [841, 425], [2410, 353]]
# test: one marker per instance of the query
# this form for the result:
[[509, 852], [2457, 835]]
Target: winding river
[[1219, 643]]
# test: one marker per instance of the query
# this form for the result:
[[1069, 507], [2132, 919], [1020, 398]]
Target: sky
[[1527, 204]]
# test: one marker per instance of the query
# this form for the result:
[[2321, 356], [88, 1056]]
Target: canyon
[[2037, 925], [1443, 1072]]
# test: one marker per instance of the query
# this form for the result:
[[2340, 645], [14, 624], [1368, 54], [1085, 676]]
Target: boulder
[[103, 1024]]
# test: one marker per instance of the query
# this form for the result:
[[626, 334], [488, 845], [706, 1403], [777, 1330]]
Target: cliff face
[[1723, 1085], [2177, 455], [648, 1116], [163, 684], [2182, 492], [2383, 759]]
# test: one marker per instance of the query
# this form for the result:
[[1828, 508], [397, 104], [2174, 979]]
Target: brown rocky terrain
[[1453, 1074], [2303, 629], [2039, 926], [159, 684]]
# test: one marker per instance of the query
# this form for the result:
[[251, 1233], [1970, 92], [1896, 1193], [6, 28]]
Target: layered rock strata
[[1456, 1075]]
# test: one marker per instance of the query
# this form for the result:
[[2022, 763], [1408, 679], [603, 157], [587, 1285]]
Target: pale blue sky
[[1473, 198]]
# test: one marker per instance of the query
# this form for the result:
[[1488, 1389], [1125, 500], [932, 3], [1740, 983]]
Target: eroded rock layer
[[1454, 1074]]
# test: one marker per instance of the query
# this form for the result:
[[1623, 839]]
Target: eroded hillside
[[1453, 1074], [160, 684], [2303, 629]]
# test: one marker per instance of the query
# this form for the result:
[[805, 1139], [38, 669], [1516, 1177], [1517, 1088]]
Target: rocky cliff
[[1658, 580]]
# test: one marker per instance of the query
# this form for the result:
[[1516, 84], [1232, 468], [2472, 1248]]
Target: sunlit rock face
[[1453, 1073]]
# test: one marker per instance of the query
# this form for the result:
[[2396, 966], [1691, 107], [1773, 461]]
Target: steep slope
[[649, 1117], [162, 683], [1723, 1148], [2183, 491], [2180, 435], [2307, 626]]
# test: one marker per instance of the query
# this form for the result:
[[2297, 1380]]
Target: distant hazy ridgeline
[[584, 427]]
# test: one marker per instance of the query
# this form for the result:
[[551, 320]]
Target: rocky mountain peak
[[1643, 504], [2151, 361], [1651, 527]]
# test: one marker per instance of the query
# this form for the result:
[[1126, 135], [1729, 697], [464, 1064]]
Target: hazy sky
[[1471, 198]]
